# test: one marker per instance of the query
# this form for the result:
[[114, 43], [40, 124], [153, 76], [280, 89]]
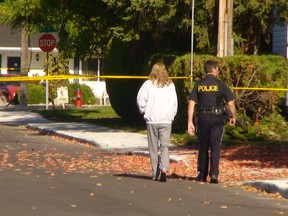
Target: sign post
[[47, 43]]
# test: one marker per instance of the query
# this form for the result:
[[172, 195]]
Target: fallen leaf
[[10, 165]]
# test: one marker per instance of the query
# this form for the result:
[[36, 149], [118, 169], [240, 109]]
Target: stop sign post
[[47, 42]]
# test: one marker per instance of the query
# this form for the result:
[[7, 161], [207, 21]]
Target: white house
[[280, 40], [10, 60], [280, 44]]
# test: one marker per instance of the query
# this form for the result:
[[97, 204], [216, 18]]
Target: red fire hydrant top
[[78, 98]]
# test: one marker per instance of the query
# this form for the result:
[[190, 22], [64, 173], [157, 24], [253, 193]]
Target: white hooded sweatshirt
[[158, 104]]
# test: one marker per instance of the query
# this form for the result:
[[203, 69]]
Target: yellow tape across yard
[[62, 77]]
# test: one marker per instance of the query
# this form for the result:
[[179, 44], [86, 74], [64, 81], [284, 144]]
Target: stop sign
[[47, 42]]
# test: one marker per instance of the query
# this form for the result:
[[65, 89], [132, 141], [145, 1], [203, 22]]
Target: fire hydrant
[[78, 98]]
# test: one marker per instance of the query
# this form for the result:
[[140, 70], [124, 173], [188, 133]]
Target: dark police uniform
[[210, 94]]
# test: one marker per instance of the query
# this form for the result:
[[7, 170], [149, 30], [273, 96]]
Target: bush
[[237, 71], [125, 58], [36, 94], [88, 96]]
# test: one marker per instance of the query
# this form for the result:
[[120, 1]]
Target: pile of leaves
[[238, 163], [241, 163]]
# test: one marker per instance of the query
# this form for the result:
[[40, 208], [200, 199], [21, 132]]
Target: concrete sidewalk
[[106, 138], [110, 139]]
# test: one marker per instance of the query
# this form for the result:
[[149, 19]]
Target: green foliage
[[237, 71], [137, 17], [86, 26], [272, 127], [256, 71], [36, 94], [254, 19], [88, 96], [18, 12], [125, 58], [83, 25], [56, 66]]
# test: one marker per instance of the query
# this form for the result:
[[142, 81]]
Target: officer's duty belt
[[210, 111]]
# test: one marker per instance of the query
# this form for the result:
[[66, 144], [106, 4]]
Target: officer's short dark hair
[[209, 65]]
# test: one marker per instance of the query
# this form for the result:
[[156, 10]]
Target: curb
[[271, 186], [120, 151]]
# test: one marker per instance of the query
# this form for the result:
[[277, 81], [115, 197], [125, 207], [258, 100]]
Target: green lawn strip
[[107, 117]]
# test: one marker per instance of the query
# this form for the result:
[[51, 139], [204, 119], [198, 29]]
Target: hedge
[[268, 71], [37, 94]]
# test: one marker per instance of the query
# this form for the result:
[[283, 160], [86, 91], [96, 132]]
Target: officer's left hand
[[191, 129]]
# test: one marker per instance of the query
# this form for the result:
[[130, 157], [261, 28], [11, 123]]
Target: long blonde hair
[[159, 75]]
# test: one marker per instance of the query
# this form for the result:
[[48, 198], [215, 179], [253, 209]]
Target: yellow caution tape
[[261, 89], [11, 69], [60, 77], [71, 76]]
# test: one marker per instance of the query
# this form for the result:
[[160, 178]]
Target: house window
[[14, 65]]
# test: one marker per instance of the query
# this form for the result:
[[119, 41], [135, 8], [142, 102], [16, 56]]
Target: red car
[[8, 90]]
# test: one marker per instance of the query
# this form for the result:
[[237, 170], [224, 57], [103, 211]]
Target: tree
[[254, 20], [56, 66], [21, 14], [24, 65], [86, 26], [82, 26]]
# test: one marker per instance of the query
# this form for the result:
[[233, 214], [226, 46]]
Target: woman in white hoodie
[[157, 101]]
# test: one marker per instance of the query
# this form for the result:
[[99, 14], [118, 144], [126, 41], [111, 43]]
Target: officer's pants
[[159, 134], [210, 133]]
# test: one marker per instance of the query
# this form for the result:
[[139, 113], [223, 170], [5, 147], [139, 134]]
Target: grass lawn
[[99, 115], [104, 116]]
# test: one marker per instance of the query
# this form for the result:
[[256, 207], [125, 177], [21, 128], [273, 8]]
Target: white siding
[[280, 40]]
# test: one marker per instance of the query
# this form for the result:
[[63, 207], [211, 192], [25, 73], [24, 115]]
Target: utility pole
[[192, 40], [225, 23], [24, 65]]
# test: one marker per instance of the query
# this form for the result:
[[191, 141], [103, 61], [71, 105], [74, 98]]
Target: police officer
[[210, 94]]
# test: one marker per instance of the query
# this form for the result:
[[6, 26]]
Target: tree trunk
[[24, 65]]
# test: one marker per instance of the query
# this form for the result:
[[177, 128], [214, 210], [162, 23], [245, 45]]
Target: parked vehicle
[[8, 90]]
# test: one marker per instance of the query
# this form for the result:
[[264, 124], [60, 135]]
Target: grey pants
[[158, 135]]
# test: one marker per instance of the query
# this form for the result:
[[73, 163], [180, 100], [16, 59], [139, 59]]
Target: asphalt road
[[28, 187]]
